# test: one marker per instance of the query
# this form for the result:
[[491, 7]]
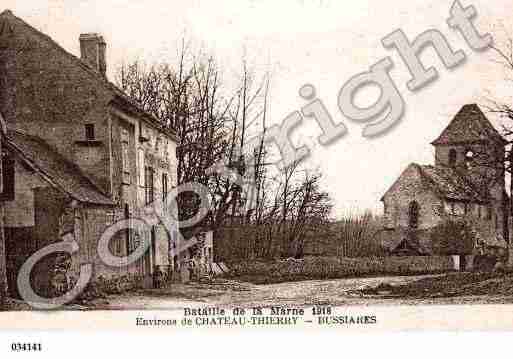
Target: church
[[467, 179]]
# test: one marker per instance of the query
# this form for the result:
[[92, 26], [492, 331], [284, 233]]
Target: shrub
[[454, 236], [102, 287]]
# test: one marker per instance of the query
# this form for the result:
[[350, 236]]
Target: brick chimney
[[92, 52]]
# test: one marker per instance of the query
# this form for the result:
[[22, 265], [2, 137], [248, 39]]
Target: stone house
[[81, 154], [467, 178]]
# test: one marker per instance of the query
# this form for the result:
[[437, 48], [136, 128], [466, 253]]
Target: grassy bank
[[449, 285]]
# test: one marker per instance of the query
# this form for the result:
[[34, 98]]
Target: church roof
[[469, 125], [446, 182], [450, 184]]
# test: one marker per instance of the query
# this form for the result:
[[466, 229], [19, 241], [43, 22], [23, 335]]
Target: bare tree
[[502, 165], [211, 123], [217, 125]]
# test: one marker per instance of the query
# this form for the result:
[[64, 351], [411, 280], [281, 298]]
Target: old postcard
[[232, 165]]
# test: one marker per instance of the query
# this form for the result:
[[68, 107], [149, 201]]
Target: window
[[118, 249], [413, 214], [148, 184], [128, 237], [153, 243], [89, 132], [452, 157], [141, 167], [469, 159], [158, 143], [143, 133], [111, 218], [164, 186], [125, 155], [166, 151], [8, 178]]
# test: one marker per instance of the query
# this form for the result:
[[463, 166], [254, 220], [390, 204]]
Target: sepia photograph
[[256, 164]]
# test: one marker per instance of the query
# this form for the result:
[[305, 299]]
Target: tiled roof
[[119, 94], [450, 184], [469, 125], [63, 173]]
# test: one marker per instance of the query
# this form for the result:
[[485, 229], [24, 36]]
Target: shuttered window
[[164, 186], [149, 184], [141, 167], [125, 156], [164, 191]]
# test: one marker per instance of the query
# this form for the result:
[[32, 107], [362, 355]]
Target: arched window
[[413, 214], [452, 157], [469, 159]]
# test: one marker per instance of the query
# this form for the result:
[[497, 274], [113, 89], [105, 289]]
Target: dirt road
[[336, 292]]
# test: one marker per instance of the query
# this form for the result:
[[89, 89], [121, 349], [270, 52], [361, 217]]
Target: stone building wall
[[410, 187], [32, 222], [485, 176], [52, 86], [49, 93]]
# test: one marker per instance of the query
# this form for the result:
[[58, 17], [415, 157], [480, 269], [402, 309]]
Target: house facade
[[82, 156], [467, 179]]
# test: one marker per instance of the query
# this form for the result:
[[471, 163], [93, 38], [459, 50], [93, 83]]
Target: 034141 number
[[26, 347]]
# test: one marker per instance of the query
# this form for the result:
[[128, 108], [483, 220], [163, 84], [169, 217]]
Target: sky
[[321, 42]]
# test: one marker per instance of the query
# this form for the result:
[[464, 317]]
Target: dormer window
[[89, 132]]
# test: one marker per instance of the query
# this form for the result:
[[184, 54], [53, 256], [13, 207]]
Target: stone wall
[[410, 187], [333, 267]]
